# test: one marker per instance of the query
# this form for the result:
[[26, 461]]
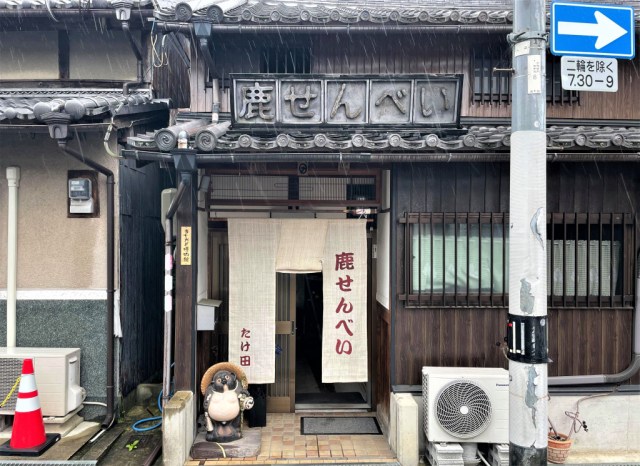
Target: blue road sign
[[592, 30]]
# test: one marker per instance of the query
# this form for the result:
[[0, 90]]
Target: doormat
[[339, 426]]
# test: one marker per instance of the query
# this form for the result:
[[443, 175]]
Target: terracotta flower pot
[[558, 449]]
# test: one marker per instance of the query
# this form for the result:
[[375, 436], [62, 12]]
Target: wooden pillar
[[186, 276]]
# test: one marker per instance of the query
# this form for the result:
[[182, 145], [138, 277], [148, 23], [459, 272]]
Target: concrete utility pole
[[527, 326]]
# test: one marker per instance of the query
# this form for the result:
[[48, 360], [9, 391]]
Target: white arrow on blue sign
[[592, 30]]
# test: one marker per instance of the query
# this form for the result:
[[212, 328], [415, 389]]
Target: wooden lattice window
[[490, 86], [285, 60], [555, 94], [494, 87]]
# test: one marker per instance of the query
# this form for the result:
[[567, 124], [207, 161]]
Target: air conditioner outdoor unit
[[466, 404], [57, 372]]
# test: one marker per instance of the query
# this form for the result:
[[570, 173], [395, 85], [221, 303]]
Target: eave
[[71, 106], [469, 138], [299, 15]]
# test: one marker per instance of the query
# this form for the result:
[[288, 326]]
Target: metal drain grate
[[47, 463]]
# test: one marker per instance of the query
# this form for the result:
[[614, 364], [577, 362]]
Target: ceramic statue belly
[[224, 406]]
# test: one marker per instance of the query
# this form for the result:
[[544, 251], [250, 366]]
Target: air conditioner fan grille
[[463, 409]]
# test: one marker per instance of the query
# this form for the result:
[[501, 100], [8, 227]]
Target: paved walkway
[[282, 443]]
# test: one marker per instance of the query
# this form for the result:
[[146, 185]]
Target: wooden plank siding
[[141, 272], [582, 341], [171, 79], [399, 54], [382, 358]]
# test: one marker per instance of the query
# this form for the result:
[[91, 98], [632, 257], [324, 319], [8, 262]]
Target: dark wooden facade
[[170, 75], [382, 358], [141, 272], [595, 340], [393, 54]]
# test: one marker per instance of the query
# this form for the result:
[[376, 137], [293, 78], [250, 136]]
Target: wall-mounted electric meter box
[[80, 200]]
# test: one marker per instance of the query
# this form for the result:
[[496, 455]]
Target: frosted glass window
[[471, 259], [451, 257]]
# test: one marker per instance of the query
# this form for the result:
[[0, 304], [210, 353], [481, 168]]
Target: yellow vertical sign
[[185, 246]]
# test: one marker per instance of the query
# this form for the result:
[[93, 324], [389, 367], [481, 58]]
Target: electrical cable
[[107, 135], [13, 389], [151, 419], [576, 423], [224, 453], [103, 430], [482, 458], [94, 403], [158, 59]]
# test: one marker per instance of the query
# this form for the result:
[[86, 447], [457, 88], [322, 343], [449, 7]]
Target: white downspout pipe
[[13, 178]]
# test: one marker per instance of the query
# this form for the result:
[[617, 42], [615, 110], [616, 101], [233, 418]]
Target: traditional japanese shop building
[[353, 219]]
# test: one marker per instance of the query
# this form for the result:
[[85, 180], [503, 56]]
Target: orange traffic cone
[[27, 436]]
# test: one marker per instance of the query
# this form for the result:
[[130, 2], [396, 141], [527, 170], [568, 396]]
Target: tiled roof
[[471, 138], [345, 11], [37, 105], [54, 5]]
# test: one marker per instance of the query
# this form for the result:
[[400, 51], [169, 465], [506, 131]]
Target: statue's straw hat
[[223, 366]]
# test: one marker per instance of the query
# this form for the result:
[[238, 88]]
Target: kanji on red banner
[[344, 340], [344, 261]]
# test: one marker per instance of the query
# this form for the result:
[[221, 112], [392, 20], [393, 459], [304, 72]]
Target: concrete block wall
[[405, 433], [178, 429]]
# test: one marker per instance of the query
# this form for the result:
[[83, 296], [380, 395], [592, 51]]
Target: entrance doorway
[[310, 392], [298, 385], [298, 338]]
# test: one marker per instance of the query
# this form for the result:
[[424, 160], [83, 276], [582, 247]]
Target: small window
[[458, 259], [555, 94], [589, 264], [494, 87], [490, 86], [461, 260], [286, 60]]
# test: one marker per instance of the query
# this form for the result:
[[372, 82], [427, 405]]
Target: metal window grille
[[494, 87], [456, 259], [461, 260], [590, 259], [286, 60]]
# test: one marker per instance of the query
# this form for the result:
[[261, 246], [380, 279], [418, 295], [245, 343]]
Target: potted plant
[[558, 445]]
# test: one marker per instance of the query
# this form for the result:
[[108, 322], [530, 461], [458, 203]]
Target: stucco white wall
[[383, 244], [93, 54], [104, 54], [613, 422], [28, 55], [54, 252]]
